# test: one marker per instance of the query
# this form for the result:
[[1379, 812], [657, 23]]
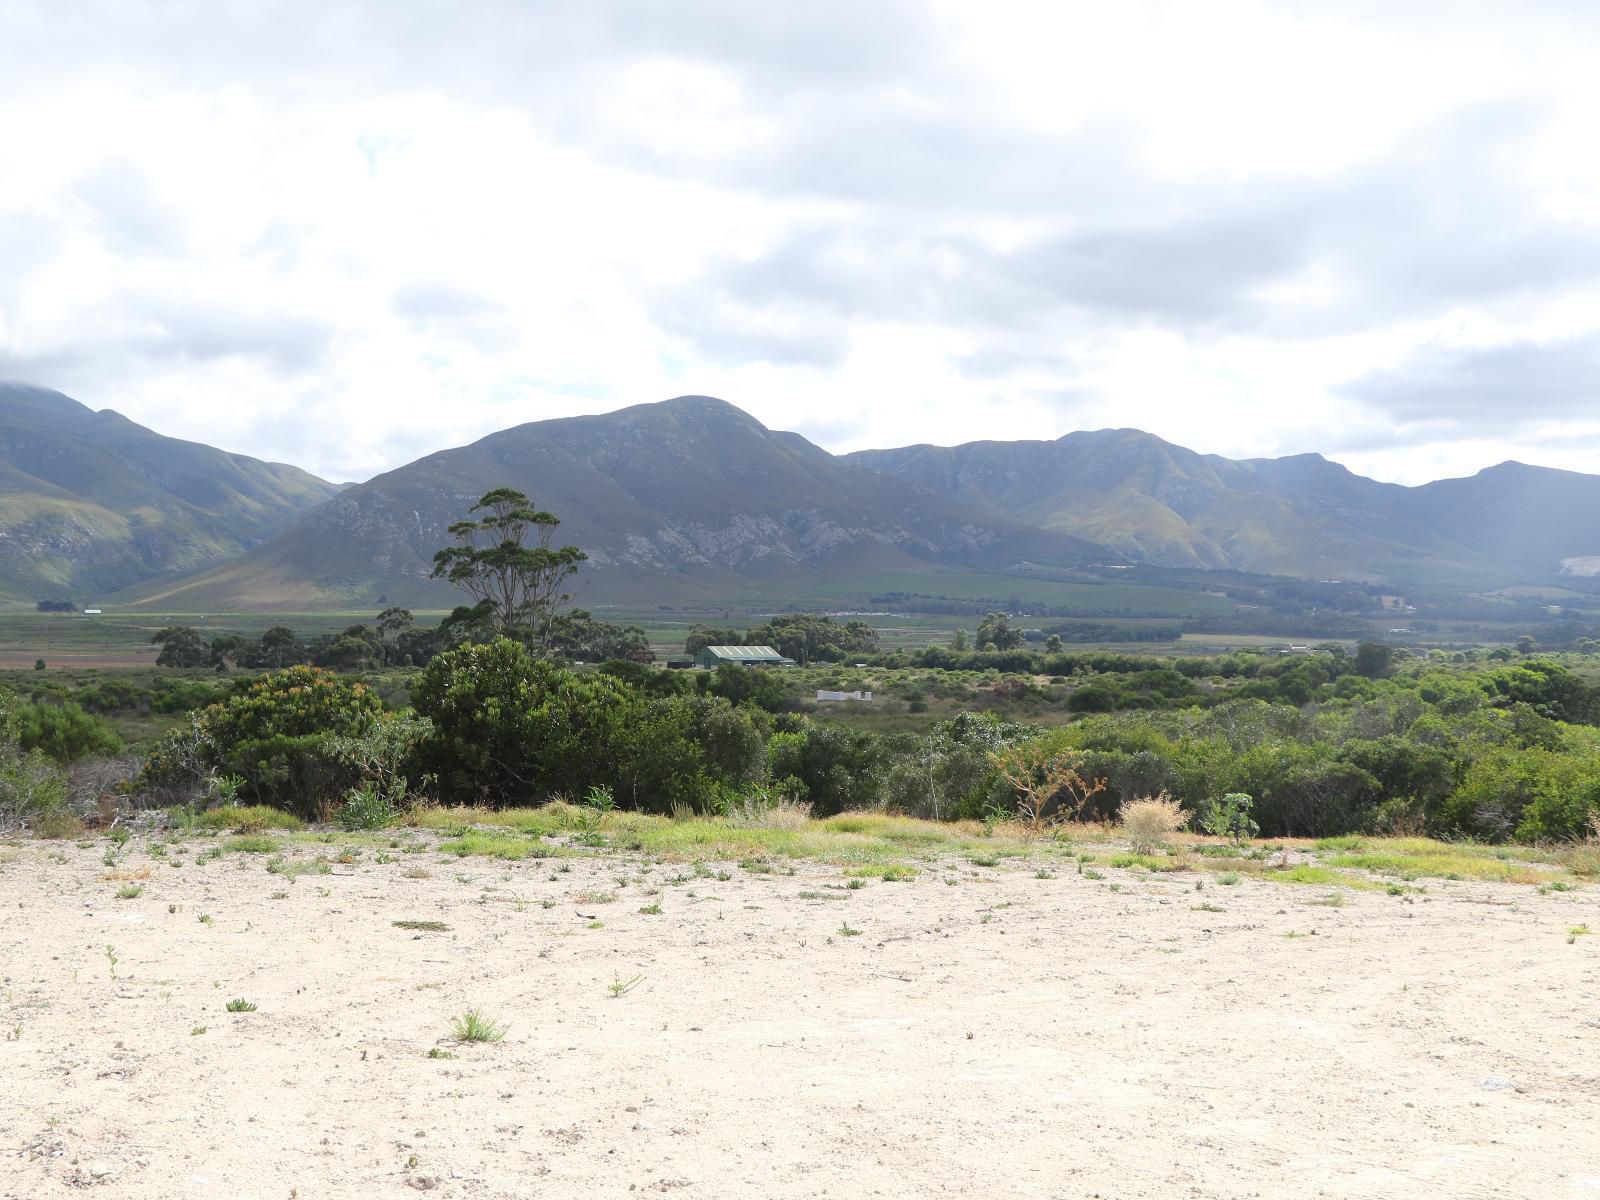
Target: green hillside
[[91, 503]]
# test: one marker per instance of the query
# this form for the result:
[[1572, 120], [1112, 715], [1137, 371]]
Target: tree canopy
[[506, 561]]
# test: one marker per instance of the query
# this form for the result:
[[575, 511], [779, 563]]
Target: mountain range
[[1302, 515], [91, 503], [693, 497]]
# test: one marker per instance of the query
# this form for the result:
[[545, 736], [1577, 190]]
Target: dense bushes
[[296, 739], [510, 729], [31, 787], [63, 733], [1488, 752]]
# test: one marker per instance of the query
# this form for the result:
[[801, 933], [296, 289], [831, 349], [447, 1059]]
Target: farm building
[[741, 656]]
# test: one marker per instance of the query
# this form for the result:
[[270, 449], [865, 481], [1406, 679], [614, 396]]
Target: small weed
[[197, 1030], [1207, 907], [1091, 873], [112, 959], [1331, 900], [984, 860], [596, 897], [651, 910], [1228, 878], [621, 987], [473, 1026], [855, 885], [846, 931], [240, 1005], [205, 919], [130, 891], [436, 1052], [422, 926]]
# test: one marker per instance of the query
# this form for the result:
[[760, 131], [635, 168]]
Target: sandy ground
[[988, 1033]]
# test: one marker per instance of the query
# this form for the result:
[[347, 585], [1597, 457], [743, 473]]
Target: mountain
[[687, 496], [91, 503], [1301, 515]]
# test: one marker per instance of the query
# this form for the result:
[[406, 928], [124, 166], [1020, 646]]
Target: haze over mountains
[[1300, 515], [693, 497]]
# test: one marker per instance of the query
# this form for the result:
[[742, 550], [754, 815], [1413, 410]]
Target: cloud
[[1245, 228], [1472, 391]]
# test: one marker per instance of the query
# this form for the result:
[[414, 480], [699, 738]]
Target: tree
[[959, 642], [806, 637], [1374, 660], [393, 626], [517, 585], [577, 636], [996, 629], [279, 648], [702, 636], [181, 646]]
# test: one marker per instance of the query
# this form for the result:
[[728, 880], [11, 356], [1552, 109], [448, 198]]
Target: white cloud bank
[[345, 234]]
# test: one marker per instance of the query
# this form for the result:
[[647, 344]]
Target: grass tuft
[[473, 1026]]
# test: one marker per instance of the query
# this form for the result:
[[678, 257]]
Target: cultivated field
[[696, 1010]]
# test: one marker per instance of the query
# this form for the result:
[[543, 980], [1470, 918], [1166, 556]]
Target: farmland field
[[863, 1007]]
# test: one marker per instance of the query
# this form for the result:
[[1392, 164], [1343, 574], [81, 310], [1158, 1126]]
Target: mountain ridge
[[92, 502], [694, 496]]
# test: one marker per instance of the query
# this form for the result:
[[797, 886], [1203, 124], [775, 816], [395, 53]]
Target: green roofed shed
[[741, 656]]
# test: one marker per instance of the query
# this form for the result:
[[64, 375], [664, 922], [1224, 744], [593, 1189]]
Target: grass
[[252, 818], [489, 845], [473, 1026], [888, 872], [253, 843]]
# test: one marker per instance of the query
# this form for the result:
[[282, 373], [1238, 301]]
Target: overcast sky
[[346, 234]]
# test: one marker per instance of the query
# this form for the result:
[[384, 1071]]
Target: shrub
[[32, 789], [1146, 823], [688, 750], [509, 729], [285, 735], [1229, 817], [370, 807], [64, 733]]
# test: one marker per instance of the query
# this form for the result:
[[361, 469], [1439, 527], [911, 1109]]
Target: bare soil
[[987, 1034]]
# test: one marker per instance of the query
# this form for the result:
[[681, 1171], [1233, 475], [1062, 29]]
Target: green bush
[[370, 807], [64, 733], [32, 789], [691, 750], [285, 735], [510, 729]]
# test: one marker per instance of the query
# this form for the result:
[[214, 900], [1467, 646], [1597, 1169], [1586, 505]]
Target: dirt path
[[994, 1035]]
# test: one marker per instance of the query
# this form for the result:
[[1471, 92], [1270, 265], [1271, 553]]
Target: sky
[[344, 234]]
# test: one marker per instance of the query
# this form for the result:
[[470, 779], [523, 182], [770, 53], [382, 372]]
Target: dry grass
[[142, 874], [1149, 822], [784, 813]]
